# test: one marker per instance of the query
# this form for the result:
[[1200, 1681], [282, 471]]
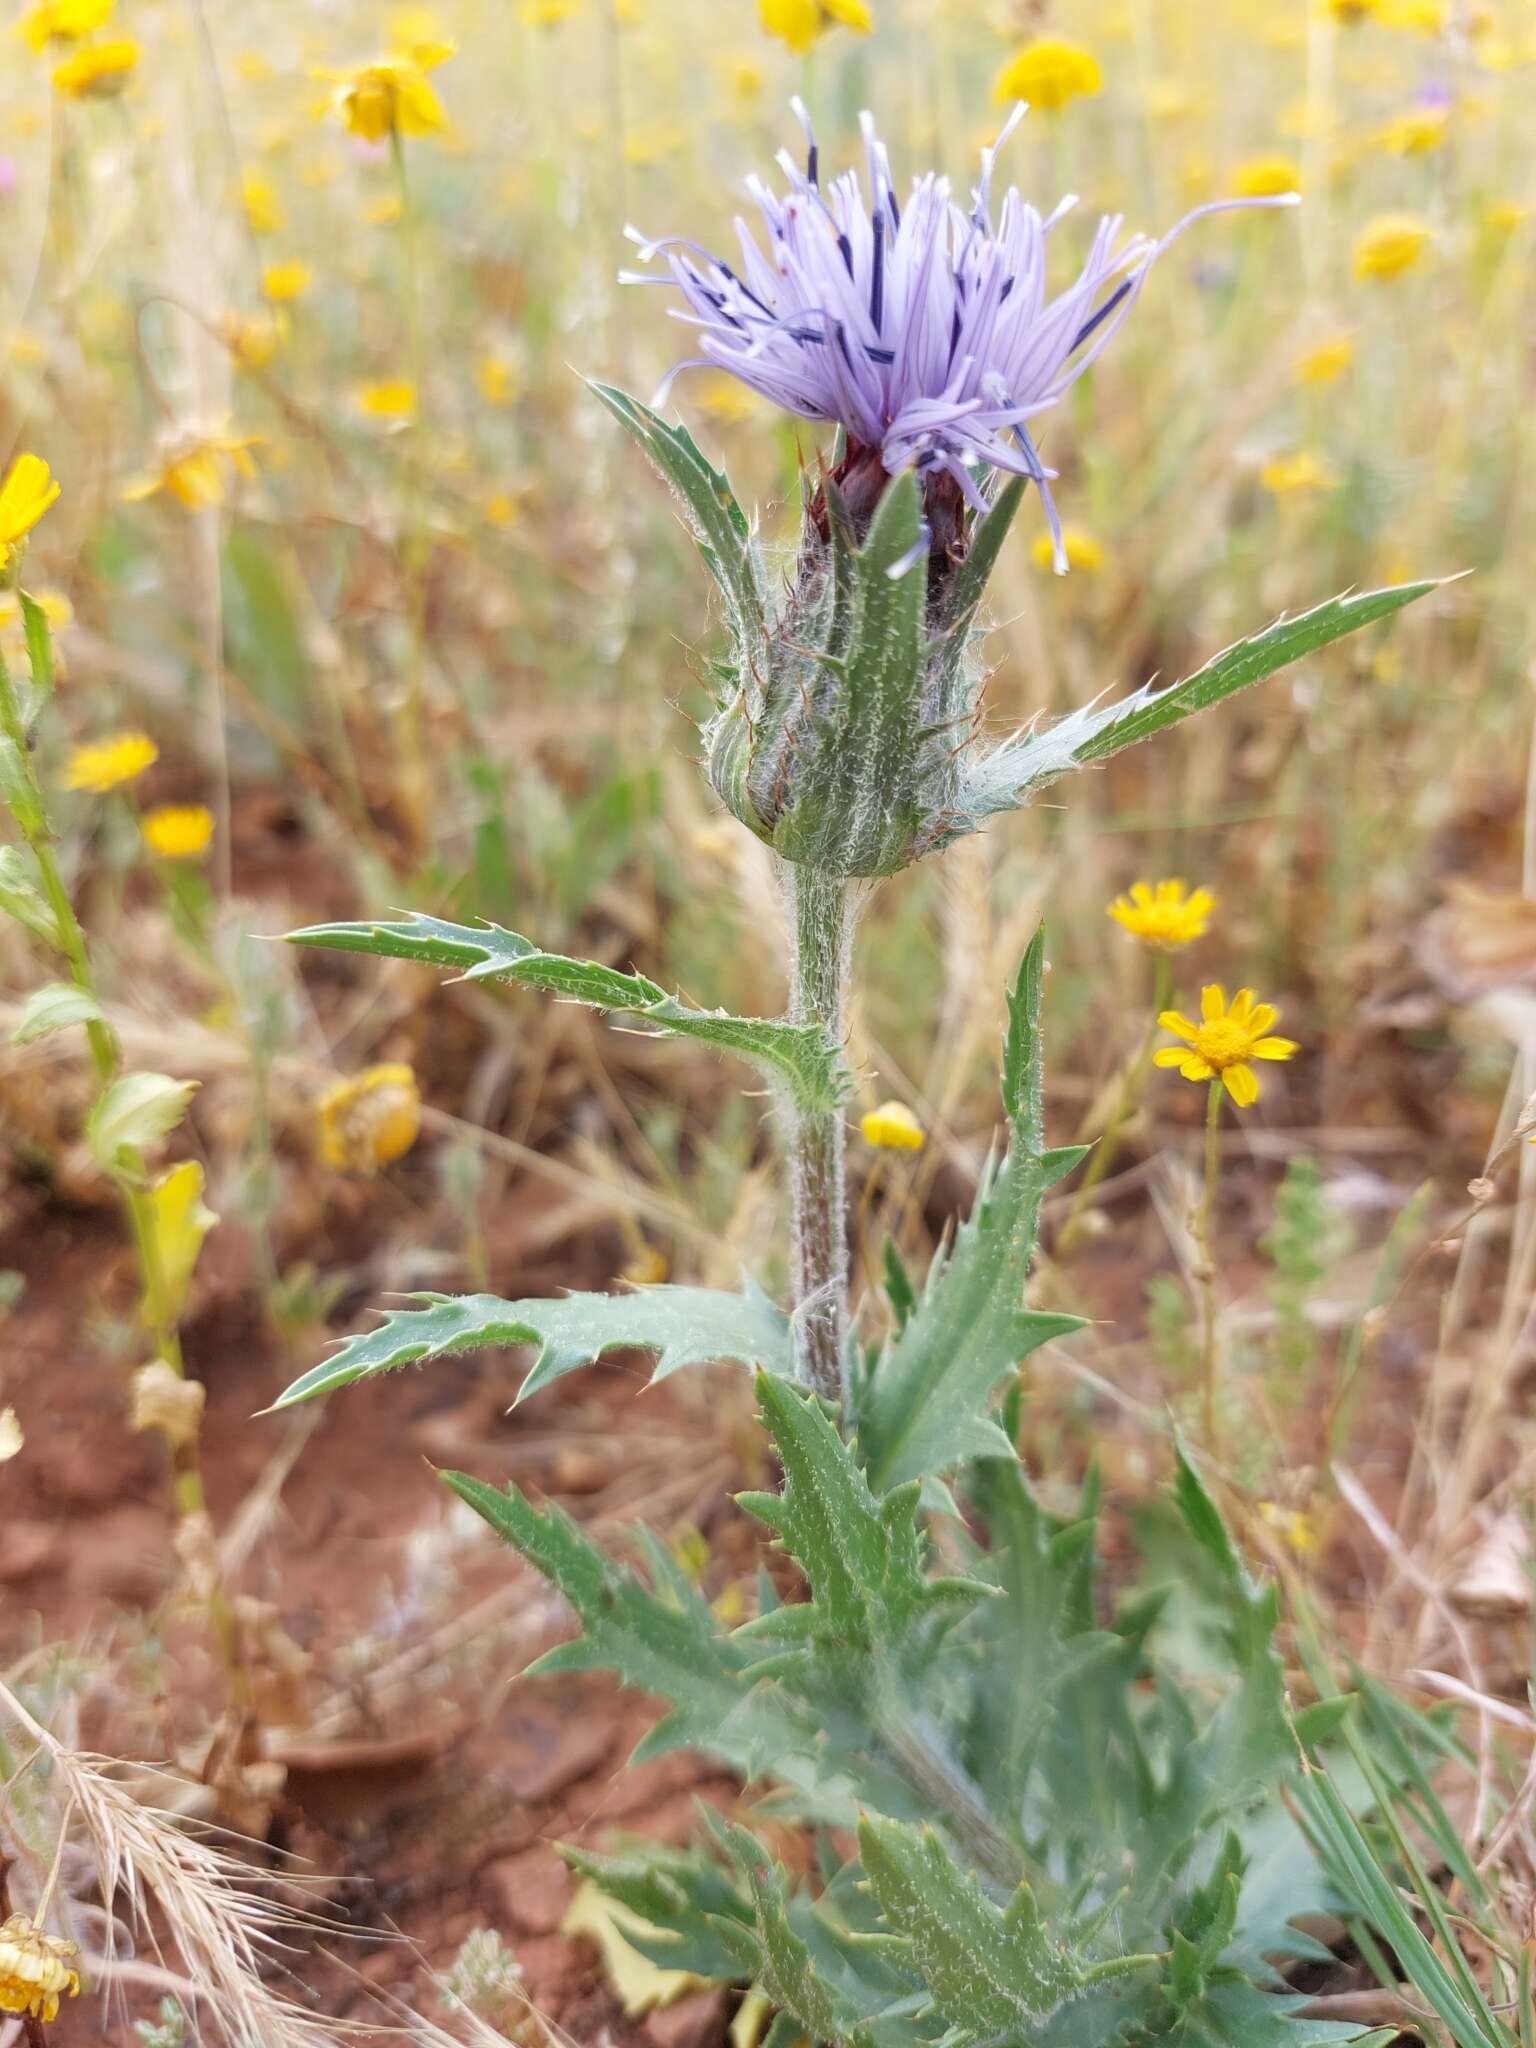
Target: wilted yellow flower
[[162, 1398], [1390, 244], [263, 208], [1048, 72], [892, 1128], [35, 1969], [1082, 550], [26, 494], [369, 1119], [97, 70], [1264, 177], [1417, 132], [178, 831], [193, 470], [1324, 360], [1221, 1045], [392, 96], [63, 21], [284, 281], [1285, 475], [1161, 915], [498, 380], [107, 764], [392, 399]]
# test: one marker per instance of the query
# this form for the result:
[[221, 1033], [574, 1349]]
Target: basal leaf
[[796, 1055], [924, 1404], [682, 1325]]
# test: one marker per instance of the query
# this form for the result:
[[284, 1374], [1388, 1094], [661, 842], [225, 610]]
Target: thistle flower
[[1161, 915], [922, 328], [107, 764], [892, 1128], [97, 70], [1227, 1038], [26, 494], [35, 1970]]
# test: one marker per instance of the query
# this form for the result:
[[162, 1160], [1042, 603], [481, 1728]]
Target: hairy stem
[[821, 934]]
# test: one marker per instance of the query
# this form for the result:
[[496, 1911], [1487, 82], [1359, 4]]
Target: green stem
[[1133, 1074], [821, 934], [1206, 1274], [413, 761]]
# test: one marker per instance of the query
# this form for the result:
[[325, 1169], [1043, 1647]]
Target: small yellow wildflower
[[1505, 215], [892, 1128], [263, 208], [1324, 360], [97, 70], [1389, 245], [799, 22], [1221, 1045], [63, 21], [193, 470], [1287, 475], [177, 831], [106, 764], [1352, 11], [1265, 177], [1418, 132], [285, 281], [26, 494], [392, 399], [1083, 550], [253, 341], [369, 1119], [34, 1969], [1420, 17], [392, 95], [1293, 1525], [500, 508], [498, 380], [1048, 73], [1161, 915]]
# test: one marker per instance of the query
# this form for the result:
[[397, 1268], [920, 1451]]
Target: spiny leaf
[[924, 1403], [682, 1325], [772, 1953], [674, 1650], [1009, 776], [863, 1557], [992, 1972], [798, 1055], [680, 1891], [718, 523]]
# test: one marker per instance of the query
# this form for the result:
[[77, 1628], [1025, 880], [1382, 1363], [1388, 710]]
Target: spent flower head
[[369, 1119], [1163, 915], [922, 328], [35, 1969], [1227, 1039]]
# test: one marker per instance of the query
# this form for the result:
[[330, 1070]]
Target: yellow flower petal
[[1241, 1084], [1213, 1002], [1274, 1049], [1178, 1024]]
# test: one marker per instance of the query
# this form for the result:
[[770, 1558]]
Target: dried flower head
[[922, 328], [35, 1970], [369, 1119], [1162, 915], [1225, 1040]]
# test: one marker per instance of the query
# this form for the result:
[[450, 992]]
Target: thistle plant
[[1034, 1826]]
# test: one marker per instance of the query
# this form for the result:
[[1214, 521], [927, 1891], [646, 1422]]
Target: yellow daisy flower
[[1287, 475], [1161, 914], [1083, 551], [63, 21], [177, 831], [1324, 360], [1225, 1040], [1418, 132], [892, 1128], [26, 494], [393, 399], [1389, 245], [193, 471], [1352, 11], [35, 1969], [284, 281], [97, 70], [1048, 73], [799, 22], [369, 1119], [1265, 177], [392, 95], [107, 764]]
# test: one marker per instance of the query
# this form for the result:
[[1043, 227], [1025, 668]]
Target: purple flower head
[[922, 328]]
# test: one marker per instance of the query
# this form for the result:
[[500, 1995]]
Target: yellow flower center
[[1222, 1044]]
